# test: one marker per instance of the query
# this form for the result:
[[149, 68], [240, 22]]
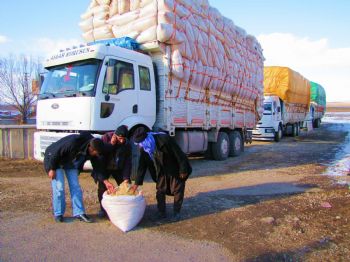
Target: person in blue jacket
[[168, 166]]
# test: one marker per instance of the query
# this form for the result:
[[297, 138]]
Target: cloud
[[40, 47], [3, 39], [46, 46], [314, 59]]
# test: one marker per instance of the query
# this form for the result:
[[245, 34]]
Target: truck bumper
[[263, 133], [43, 139]]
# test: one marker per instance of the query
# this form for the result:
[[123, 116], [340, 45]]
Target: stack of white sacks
[[208, 50]]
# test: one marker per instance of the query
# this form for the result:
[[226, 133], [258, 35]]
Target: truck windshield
[[267, 108], [74, 79]]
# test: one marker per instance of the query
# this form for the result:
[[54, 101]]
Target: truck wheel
[[236, 143], [220, 149], [208, 154], [294, 130], [298, 128], [317, 123], [278, 134]]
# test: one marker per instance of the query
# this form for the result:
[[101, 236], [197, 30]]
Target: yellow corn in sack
[[287, 84], [123, 190]]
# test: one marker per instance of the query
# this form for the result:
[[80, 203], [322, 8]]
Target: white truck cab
[[77, 96], [279, 118], [270, 125]]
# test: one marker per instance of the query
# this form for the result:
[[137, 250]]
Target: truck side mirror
[[35, 86]]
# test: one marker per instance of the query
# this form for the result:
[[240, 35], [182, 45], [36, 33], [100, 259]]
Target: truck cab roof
[[98, 51]]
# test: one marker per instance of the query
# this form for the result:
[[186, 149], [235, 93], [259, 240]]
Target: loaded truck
[[317, 104], [286, 103], [99, 87], [175, 66]]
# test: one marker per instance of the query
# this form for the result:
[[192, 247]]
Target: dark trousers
[[171, 186], [102, 187]]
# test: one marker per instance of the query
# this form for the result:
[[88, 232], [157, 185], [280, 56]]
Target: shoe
[[102, 214], [176, 217], [161, 215], [59, 219], [84, 218]]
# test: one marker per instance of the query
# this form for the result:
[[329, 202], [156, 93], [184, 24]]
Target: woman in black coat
[[168, 165]]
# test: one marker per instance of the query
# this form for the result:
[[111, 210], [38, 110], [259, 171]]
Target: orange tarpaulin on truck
[[287, 84]]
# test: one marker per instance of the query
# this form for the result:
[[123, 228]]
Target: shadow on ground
[[213, 202]]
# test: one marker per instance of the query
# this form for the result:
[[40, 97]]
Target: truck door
[[147, 98], [277, 111], [116, 102]]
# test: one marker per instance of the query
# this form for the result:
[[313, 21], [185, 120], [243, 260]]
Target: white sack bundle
[[124, 211]]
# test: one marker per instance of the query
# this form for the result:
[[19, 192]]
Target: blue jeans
[[58, 194]]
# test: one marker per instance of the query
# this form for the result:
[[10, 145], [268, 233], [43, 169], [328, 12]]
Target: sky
[[310, 36]]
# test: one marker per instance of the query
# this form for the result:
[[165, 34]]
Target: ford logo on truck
[[55, 106]]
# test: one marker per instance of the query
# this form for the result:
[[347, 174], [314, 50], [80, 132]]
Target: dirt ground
[[270, 204]]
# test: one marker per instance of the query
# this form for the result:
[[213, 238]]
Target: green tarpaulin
[[318, 94]]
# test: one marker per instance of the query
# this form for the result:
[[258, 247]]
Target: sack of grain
[[124, 209]]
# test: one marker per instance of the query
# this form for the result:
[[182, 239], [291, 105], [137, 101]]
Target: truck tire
[[298, 129], [208, 154], [278, 134], [236, 143], [220, 149], [294, 130], [317, 123]]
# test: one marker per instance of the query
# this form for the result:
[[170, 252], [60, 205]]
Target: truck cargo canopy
[[318, 94], [287, 84]]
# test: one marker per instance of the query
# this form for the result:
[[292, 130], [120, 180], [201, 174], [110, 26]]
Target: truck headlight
[[269, 130]]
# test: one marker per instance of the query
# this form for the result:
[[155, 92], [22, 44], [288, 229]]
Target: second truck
[[286, 103]]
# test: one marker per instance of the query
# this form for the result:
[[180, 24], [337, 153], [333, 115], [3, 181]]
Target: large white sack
[[120, 20], [86, 15], [103, 2], [148, 10], [147, 35], [144, 23], [172, 18], [123, 31], [100, 9], [143, 3], [187, 70], [113, 8], [89, 36], [123, 6], [185, 49], [134, 4], [98, 22], [191, 5], [166, 33], [124, 211], [93, 4], [166, 5], [86, 24], [103, 32], [177, 64], [102, 15]]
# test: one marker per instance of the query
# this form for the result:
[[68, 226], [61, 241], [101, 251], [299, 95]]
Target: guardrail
[[16, 141]]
